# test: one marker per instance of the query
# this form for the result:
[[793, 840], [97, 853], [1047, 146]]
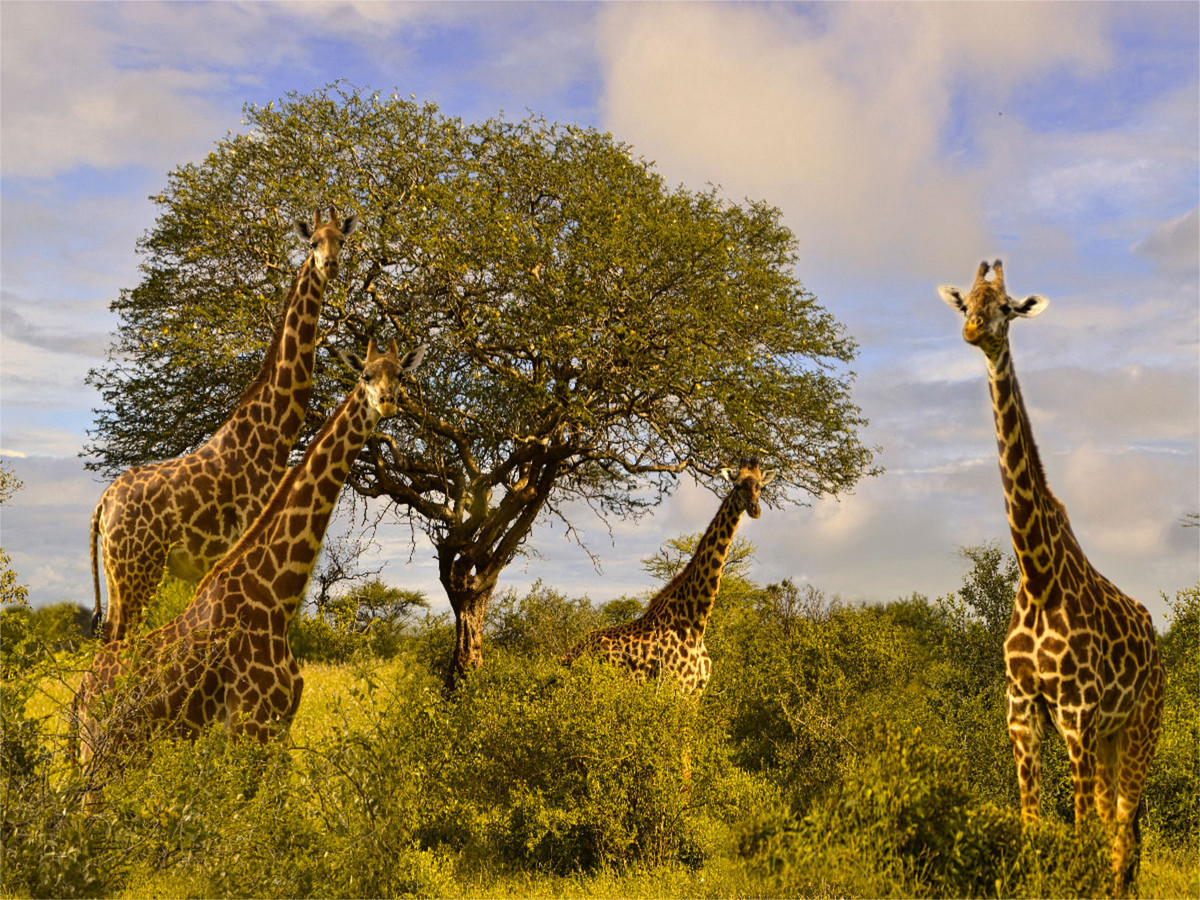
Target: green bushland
[[839, 750]]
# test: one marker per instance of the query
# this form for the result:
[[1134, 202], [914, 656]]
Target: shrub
[[370, 620], [1173, 786], [543, 623], [904, 823], [579, 768]]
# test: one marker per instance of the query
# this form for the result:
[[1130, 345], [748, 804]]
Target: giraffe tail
[[94, 534]]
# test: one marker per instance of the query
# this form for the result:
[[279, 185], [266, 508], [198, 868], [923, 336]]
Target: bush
[[571, 769], [904, 823], [541, 624], [48, 848], [1173, 786], [369, 621]]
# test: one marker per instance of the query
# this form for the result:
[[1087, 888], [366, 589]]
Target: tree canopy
[[592, 331]]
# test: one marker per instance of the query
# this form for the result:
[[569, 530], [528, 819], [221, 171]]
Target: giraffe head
[[989, 309], [382, 375], [326, 239], [748, 482]]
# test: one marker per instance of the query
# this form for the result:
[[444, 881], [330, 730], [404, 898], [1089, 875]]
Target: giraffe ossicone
[[1079, 651], [183, 514], [669, 635], [226, 658]]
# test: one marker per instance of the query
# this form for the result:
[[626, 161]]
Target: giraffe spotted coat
[[226, 657], [1079, 653], [185, 513], [669, 635]]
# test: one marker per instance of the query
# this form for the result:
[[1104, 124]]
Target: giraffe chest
[[1068, 660]]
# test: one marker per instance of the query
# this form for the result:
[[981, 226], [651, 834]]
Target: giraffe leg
[[1106, 779], [1081, 749], [1136, 751], [1025, 732], [132, 580]]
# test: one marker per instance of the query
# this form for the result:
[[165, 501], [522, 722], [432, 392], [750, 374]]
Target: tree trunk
[[470, 562], [469, 607]]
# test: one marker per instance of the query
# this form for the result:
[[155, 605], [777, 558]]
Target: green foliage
[[172, 597], [543, 622], [572, 769], [11, 590], [833, 754], [1173, 787], [978, 616], [801, 675], [903, 822], [369, 620], [46, 850]]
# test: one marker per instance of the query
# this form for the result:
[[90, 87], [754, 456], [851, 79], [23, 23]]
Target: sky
[[903, 143]]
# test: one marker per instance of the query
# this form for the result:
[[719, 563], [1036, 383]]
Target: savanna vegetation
[[592, 329], [840, 750]]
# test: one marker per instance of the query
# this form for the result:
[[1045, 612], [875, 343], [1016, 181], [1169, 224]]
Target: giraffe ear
[[350, 225], [1033, 305], [953, 297], [304, 229], [351, 359], [412, 359], [728, 474], [767, 478]]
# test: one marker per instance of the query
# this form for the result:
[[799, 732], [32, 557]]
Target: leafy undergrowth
[[849, 755]]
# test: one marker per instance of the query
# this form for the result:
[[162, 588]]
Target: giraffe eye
[[368, 377]]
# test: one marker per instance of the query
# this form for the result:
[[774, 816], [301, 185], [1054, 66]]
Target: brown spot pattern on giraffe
[[226, 657], [1077, 647], [669, 635], [196, 506]]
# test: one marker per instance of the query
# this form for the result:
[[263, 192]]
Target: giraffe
[[185, 513], [669, 635], [1079, 652], [226, 657]]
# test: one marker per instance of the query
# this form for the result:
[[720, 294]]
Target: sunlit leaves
[[586, 321]]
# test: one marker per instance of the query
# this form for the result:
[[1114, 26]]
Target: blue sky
[[903, 142]]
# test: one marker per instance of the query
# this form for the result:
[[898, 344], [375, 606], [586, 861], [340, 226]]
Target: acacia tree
[[592, 331]]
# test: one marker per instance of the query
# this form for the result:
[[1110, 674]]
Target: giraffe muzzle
[[973, 330]]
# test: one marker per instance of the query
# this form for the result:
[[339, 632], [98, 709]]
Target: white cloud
[[1174, 246], [836, 114], [69, 101]]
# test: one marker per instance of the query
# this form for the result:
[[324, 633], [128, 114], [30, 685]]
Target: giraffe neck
[[278, 396], [1041, 532], [691, 593], [281, 547]]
